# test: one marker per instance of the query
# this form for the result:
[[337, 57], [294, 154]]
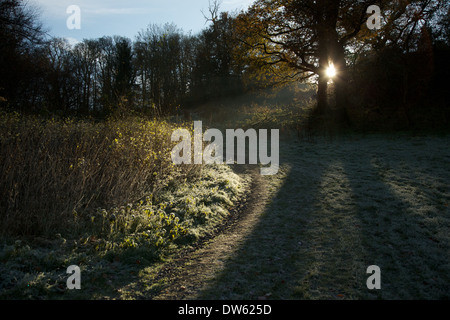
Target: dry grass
[[55, 173], [103, 196]]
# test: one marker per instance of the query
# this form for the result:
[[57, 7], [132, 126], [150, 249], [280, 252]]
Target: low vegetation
[[78, 191]]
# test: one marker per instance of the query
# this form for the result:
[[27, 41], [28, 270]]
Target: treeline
[[394, 77], [161, 71]]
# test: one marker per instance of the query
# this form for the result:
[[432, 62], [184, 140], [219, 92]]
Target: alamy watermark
[[374, 281], [213, 153], [74, 20], [374, 21], [74, 281]]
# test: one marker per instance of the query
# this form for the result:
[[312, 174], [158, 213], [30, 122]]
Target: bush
[[54, 174]]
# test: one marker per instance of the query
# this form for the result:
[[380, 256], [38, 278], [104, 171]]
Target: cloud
[[114, 11], [89, 7], [52, 7], [72, 41]]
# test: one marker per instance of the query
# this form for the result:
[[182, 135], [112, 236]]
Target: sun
[[331, 71]]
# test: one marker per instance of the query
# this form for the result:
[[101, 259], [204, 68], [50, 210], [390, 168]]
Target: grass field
[[335, 207], [340, 206]]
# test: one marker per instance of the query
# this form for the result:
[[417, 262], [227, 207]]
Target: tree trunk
[[322, 88], [330, 50], [322, 98], [341, 80]]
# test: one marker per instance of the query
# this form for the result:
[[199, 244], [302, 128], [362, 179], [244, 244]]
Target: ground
[[335, 207], [311, 231]]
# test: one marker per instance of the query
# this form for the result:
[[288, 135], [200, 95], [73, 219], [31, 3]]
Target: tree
[[20, 63], [20, 26], [218, 69], [60, 82], [123, 65], [396, 69], [309, 35], [164, 58], [85, 57]]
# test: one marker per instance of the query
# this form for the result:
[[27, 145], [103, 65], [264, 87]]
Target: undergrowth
[[56, 173], [95, 194]]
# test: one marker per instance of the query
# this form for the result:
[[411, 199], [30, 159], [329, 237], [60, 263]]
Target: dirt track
[[191, 271], [311, 231]]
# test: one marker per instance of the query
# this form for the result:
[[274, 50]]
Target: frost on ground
[[334, 208], [131, 238], [340, 206]]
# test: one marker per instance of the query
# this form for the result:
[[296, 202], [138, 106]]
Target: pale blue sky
[[127, 18]]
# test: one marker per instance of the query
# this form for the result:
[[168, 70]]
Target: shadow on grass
[[340, 207], [403, 217]]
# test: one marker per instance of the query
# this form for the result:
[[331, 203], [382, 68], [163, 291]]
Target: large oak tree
[[310, 35]]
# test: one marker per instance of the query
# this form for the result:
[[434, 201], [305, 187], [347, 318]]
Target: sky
[[125, 17]]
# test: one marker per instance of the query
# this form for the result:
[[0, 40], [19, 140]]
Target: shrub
[[54, 174]]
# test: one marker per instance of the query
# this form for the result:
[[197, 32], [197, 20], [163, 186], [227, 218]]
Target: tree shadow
[[338, 210], [402, 216], [265, 265]]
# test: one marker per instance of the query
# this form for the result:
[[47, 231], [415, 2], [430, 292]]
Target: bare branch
[[213, 10]]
